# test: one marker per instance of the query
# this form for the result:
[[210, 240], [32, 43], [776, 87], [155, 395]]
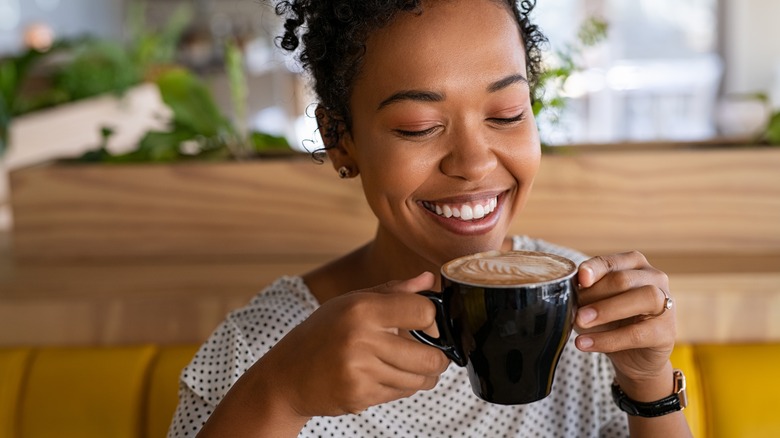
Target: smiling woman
[[428, 103]]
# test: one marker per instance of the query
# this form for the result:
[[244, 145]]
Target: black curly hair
[[332, 35]]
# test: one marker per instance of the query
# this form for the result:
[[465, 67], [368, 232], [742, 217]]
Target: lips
[[464, 211]]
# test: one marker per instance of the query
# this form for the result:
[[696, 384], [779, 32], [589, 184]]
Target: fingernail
[[588, 273], [586, 315], [585, 342]]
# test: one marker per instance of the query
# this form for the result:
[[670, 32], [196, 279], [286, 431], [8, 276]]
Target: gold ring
[[668, 303]]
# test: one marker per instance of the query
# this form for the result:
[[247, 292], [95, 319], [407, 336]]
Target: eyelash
[[501, 121], [508, 121], [422, 133]]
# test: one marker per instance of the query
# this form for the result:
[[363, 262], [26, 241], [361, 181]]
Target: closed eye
[[421, 133], [508, 121]]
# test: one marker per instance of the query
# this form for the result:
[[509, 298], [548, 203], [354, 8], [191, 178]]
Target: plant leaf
[[772, 134], [191, 102], [262, 142]]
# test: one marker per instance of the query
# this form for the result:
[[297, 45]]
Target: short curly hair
[[332, 36]]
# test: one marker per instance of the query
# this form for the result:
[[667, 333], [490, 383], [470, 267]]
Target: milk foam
[[508, 268]]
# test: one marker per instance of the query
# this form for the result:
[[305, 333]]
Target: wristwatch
[[675, 402]]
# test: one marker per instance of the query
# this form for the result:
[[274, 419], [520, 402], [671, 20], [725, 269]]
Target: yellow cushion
[[742, 388], [85, 392], [13, 367], [683, 358], [164, 387]]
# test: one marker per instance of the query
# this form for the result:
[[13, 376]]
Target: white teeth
[[467, 211], [479, 212]]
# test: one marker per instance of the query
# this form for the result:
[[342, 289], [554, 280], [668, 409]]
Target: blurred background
[[662, 70], [154, 177]]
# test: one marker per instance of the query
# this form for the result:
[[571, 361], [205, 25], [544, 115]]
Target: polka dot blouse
[[580, 404]]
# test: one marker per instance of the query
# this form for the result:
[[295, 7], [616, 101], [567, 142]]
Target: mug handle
[[445, 341]]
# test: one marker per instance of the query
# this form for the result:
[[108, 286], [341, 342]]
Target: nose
[[469, 157]]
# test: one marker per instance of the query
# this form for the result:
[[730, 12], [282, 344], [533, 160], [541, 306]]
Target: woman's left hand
[[622, 312]]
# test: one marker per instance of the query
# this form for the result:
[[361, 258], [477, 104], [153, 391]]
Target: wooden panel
[[174, 304], [725, 200], [727, 307], [117, 255], [279, 208], [671, 201], [87, 304]]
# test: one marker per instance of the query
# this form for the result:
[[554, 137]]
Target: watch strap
[[667, 405]]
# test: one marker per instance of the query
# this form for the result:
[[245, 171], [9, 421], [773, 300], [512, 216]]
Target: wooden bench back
[[723, 201], [128, 254]]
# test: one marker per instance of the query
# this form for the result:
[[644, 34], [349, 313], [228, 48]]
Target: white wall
[[751, 45], [68, 18]]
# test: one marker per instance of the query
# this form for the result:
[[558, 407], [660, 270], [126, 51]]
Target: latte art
[[508, 268]]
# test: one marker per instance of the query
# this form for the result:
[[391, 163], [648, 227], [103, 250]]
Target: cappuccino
[[506, 317], [508, 268]]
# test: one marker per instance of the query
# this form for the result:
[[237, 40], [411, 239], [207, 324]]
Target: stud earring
[[344, 172]]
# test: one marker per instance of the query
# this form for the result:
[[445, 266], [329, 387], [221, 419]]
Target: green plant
[[13, 72], [79, 68], [772, 133], [548, 91], [150, 48], [197, 129]]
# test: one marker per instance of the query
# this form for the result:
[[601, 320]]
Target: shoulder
[[245, 335], [534, 244]]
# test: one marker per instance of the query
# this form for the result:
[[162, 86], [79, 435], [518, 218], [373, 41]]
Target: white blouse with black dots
[[580, 404]]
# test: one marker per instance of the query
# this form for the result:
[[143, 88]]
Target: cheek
[[393, 174], [529, 155]]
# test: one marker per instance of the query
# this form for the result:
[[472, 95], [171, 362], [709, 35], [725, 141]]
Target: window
[[655, 77]]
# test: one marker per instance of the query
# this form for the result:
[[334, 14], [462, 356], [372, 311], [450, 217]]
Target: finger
[[411, 356], [649, 333], [424, 281], [402, 311], [614, 283], [592, 270], [645, 300], [384, 385], [405, 382]]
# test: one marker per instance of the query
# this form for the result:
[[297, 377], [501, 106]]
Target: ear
[[337, 140]]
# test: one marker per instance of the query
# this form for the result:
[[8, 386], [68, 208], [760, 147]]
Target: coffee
[[496, 268], [506, 316]]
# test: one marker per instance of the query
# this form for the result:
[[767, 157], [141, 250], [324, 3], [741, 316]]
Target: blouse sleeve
[[243, 337], [205, 381], [191, 413]]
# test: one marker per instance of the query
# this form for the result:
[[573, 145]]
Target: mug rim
[[568, 276]]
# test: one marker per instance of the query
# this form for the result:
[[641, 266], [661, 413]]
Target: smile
[[466, 211]]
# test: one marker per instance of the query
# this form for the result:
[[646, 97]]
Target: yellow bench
[[132, 391], [88, 392]]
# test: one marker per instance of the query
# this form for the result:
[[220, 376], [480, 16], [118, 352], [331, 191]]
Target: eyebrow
[[507, 81], [416, 95], [431, 96]]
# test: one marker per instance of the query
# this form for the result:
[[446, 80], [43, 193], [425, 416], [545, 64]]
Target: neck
[[387, 259]]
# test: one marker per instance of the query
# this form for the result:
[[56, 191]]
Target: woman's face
[[442, 129]]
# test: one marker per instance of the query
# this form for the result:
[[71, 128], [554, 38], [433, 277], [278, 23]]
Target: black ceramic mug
[[506, 316]]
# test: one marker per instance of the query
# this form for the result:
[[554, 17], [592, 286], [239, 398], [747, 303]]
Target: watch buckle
[[680, 388]]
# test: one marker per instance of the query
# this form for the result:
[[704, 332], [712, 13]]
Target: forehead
[[449, 41]]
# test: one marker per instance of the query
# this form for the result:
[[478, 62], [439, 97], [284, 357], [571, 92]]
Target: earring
[[344, 172]]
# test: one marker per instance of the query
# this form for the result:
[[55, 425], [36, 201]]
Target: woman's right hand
[[354, 352]]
